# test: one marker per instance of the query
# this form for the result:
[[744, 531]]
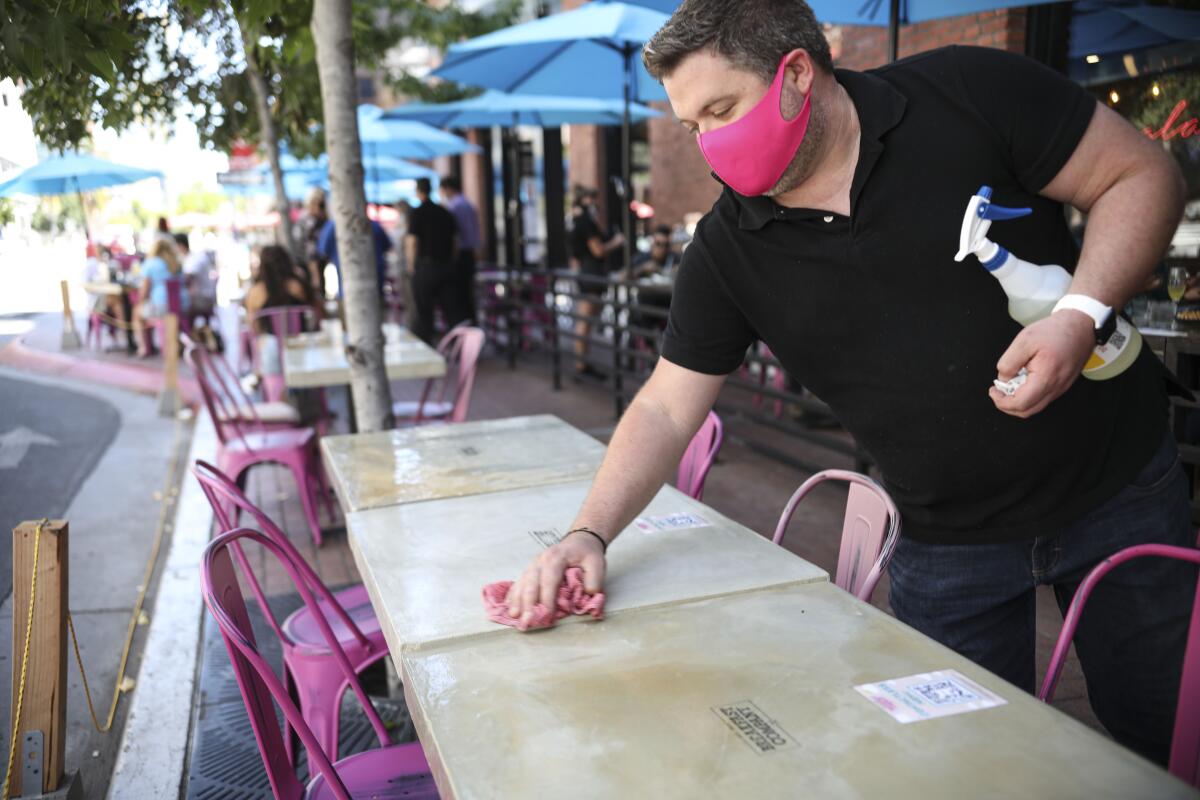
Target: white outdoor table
[[314, 360], [425, 564], [438, 461], [639, 705]]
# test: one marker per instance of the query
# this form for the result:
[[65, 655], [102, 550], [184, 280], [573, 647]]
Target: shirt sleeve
[[1039, 115], [706, 332]]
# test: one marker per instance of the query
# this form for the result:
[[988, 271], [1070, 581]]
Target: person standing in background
[[327, 245], [311, 225], [467, 218], [430, 249], [590, 250]]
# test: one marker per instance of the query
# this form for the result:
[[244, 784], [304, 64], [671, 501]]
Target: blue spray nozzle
[[987, 210]]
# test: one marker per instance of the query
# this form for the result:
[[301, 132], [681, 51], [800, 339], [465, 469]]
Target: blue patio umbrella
[[1101, 28], [589, 52], [403, 139], [498, 108], [73, 172], [894, 13]]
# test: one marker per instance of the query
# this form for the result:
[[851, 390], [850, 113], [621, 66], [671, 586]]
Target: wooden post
[[44, 706], [168, 399], [70, 335]]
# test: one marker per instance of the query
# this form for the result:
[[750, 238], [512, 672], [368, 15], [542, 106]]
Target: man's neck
[[829, 185]]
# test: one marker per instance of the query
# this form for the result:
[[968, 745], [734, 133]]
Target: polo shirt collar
[[880, 108]]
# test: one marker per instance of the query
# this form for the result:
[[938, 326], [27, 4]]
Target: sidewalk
[[114, 517]]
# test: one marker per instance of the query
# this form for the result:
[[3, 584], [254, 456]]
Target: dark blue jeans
[[979, 601]]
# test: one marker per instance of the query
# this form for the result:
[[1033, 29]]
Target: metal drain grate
[[224, 761]]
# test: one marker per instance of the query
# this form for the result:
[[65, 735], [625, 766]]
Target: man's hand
[[1054, 351], [540, 581]]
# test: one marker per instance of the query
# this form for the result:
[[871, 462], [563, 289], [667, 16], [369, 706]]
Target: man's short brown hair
[[752, 34]]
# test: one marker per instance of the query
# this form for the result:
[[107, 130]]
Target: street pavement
[[50, 441]]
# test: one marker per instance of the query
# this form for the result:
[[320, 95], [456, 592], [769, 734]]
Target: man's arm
[[410, 253], [1134, 195], [644, 451]]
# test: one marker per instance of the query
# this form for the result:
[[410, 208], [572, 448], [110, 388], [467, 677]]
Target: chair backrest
[[460, 347], [870, 529], [699, 457], [256, 679], [224, 496], [222, 403], [1184, 762], [282, 322]]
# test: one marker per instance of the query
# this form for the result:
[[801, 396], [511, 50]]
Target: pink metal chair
[[699, 457], [310, 670], [1184, 761], [460, 347], [389, 771], [241, 446], [870, 530], [224, 383]]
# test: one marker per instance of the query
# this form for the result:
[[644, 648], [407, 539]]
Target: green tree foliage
[[200, 200], [87, 62], [8, 214]]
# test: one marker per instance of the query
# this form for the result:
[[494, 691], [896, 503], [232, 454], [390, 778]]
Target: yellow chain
[[86, 691], [12, 743]]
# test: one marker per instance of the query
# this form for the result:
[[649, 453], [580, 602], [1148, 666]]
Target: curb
[[153, 754], [133, 377]]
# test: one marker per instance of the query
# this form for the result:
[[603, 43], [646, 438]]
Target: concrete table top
[[438, 461], [745, 696], [314, 360], [425, 564]]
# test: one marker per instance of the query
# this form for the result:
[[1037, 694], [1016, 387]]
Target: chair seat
[[262, 441], [399, 771], [306, 636], [276, 413], [407, 409]]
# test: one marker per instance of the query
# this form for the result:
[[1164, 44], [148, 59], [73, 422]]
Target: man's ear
[[801, 71]]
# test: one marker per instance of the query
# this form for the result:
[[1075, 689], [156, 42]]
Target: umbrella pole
[[87, 235], [894, 31], [626, 169]]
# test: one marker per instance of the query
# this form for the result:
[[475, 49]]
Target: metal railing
[[536, 310]]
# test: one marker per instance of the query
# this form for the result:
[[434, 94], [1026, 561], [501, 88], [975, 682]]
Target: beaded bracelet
[[599, 538]]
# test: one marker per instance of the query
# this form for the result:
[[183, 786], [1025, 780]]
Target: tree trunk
[[356, 248], [266, 124]]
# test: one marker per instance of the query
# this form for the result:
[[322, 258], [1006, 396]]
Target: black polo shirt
[[434, 228], [872, 313]]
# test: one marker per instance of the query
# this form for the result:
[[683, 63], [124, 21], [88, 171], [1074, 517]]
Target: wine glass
[[1177, 279]]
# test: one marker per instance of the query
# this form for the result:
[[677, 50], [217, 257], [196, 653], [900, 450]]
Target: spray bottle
[[1034, 291]]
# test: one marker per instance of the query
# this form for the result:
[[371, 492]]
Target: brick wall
[[863, 47]]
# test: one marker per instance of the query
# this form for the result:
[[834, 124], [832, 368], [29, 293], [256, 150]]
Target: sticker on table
[[752, 725], [929, 695], [546, 538], [672, 522]]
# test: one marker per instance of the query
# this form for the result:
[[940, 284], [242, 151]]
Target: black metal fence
[[620, 323]]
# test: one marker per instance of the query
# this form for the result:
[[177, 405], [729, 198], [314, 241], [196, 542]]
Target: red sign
[[243, 156], [1189, 128]]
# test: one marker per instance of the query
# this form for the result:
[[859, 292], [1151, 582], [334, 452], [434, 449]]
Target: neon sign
[[1188, 128]]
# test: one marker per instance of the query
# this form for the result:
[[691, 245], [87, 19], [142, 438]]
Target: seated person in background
[[662, 258], [198, 277], [161, 265], [276, 283]]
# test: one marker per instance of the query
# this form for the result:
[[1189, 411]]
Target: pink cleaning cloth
[[572, 599]]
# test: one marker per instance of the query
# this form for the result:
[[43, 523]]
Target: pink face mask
[[751, 155]]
